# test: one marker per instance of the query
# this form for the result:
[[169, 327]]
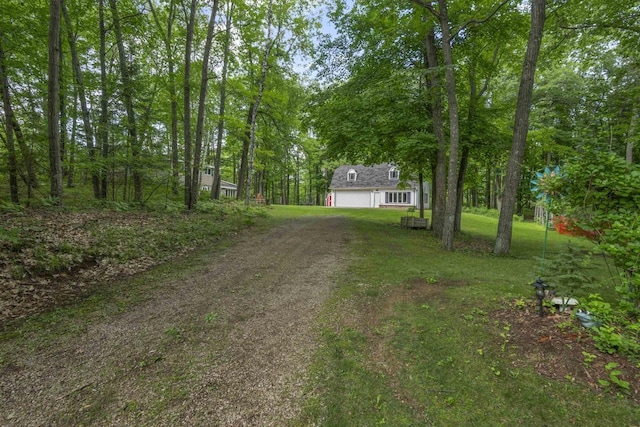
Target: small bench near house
[[413, 222]]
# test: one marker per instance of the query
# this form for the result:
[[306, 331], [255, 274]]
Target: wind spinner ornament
[[542, 183], [542, 187]]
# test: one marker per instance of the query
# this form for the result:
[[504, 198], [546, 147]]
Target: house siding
[[370, 188]]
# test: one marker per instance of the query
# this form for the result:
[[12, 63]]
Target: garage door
[[353, 199]]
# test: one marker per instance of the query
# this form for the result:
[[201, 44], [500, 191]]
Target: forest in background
[[125, 100], [151, 92]]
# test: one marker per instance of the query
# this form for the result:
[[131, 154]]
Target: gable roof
[[376, 176], [228, 185]]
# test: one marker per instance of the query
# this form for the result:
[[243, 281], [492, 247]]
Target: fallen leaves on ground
[[50, 258]]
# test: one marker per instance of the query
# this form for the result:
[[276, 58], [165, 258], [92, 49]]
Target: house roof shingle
[[367, 177]]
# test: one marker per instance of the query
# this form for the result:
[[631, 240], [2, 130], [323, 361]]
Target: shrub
[[567, 273], [600, 194]]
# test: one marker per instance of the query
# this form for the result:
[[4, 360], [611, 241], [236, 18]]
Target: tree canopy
[[142, 96]]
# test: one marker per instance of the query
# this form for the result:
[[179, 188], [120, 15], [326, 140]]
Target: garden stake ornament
[[541, 187]]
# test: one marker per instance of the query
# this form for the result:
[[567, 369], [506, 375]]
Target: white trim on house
[[358, 186]]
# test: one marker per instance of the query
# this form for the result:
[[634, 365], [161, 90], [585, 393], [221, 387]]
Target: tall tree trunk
[[454, 130], [261, 83], [521, 127], [175, 162], [27, 156], [215, 188], [261, 177], [62, 108], [296, 184], [497, 189], [172, 90], [287, 197], [234, 163], [421, 193], [187, 103], [244, 159], [433, 193], [464, 163], [439, 187], [86, 115], [103, 124], [487, 187], [8, 121], [127, 91], [195, 183], [474, 98], [53, 113], [72, 142]]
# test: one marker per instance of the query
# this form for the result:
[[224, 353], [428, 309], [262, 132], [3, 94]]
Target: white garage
[[359, 186], [353, 199]]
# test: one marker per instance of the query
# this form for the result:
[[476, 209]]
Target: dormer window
[[394, 173], [351, 175]]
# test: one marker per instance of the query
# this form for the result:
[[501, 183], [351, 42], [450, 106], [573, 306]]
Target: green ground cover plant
[[410, 337]]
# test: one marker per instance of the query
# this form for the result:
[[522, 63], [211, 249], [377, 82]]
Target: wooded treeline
[[136, 97], [478, 95]]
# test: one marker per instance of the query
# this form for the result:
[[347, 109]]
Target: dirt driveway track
[[227, 345]]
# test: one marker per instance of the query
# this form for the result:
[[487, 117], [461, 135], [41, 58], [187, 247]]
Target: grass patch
[[409, 337]]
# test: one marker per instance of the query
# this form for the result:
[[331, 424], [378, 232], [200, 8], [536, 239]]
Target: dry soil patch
[[228, 346]]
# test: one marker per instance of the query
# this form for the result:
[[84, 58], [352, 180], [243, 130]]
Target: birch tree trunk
[[521, 127]]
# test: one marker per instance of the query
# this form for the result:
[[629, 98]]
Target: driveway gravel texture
[[228, 344]]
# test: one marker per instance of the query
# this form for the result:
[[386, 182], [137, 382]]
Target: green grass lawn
[[409, 338]]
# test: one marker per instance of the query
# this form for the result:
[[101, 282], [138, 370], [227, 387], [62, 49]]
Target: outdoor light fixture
[[540, 287]]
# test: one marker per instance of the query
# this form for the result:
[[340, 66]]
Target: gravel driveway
[[229, 345]]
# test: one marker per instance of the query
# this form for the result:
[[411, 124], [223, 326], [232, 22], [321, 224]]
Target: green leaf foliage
[[602, 194]]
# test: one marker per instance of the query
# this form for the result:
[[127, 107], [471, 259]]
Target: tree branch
[[427, 5], [494, 62], [479, 21], [589, 26]]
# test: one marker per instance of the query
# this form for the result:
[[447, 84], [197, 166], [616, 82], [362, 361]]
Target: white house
[[359, 186], [227, 189]]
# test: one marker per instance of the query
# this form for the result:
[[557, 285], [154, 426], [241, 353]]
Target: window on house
[[398, 197], [351, 175], [394, 173]]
